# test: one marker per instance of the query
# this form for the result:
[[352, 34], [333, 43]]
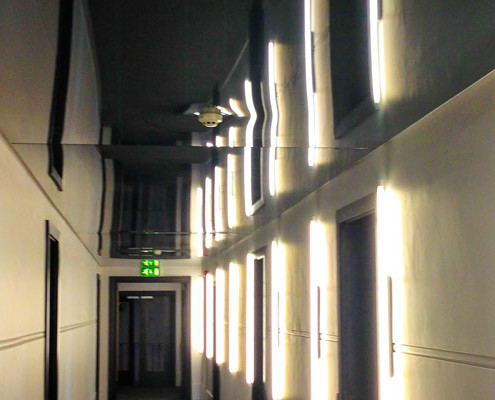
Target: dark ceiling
[[155, 57]]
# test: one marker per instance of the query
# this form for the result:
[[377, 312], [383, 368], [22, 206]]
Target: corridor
[[247, 200]]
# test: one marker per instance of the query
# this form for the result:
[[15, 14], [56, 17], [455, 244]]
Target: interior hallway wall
[[441, 169], [24, 210], [28, 43]]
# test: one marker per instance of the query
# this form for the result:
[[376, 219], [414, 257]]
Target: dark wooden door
[[358, 326], [157, 341], [259, 392], [147, 339]]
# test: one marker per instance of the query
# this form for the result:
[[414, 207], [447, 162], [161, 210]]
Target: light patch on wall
[[389, 284], [250, 318], [278, 320], [318, 311], [199, 222], [231, 203], [272, 179], [197, 322], [209, 316], [218, 214], [234, 289], [310, 89], [248, 200], [220, 316], [208, 213]]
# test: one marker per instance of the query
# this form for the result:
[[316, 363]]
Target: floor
[[137, 393]]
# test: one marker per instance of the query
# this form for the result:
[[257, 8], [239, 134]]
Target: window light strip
[[375, 49], [248, 200], [231, 202], [250, 318], [208, 213], [199, 222], [209, 316], [274, 121], [220, 316], [233, 318], [310, 96], [197, 322], [218, 214]]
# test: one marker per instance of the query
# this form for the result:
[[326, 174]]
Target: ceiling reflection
[[144, 198]]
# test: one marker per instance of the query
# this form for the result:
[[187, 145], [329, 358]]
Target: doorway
[[146, 333], [358, 368], [149, 348], [259, 391]]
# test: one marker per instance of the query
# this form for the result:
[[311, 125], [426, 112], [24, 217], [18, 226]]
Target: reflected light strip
[[232, 131], [197, 322], [224, 110], [278, 320], [219, 141], [218, 211], [248, 198], [208, 213], [389, 288], [250, 318], [374, 23], [310, 95], [233, 318], [199, 222], [209, 316], [220, 316], [231, 204], [274, 123], [318, 288], [234, 105], [209, 144]]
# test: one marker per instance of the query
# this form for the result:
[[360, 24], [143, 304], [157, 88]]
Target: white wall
[[28, 40], [441, 170], [22, 291]]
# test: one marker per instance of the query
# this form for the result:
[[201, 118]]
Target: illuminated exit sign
[[150, 267], [150, 263], [150, 271]]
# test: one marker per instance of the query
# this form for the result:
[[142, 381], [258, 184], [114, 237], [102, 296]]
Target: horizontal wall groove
[[20, 340], [72, 327], [296, 333], [457, 357], [329, 337]]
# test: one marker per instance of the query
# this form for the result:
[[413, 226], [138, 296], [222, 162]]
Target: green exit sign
[[150, 271], [150, 267], [150, 263]]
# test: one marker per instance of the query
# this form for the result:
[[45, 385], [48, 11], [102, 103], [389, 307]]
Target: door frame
[[185, 282], [358, 209], [154, 293], [260, 358]]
